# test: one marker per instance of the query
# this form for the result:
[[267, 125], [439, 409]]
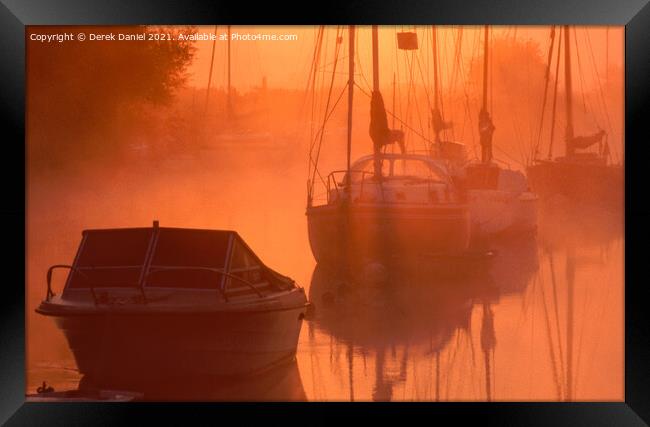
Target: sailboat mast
[[350, 98], [375, 58], [375, 92], [229, 106], [393, 108], [434, 46], [485, 67], [207, 92], [568, 89]]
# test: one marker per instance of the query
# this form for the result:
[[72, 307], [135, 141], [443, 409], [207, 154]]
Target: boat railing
[[50, 270], [223, 291], [332, 181]]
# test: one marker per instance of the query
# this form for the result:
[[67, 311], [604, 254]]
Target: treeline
[[82, 96]]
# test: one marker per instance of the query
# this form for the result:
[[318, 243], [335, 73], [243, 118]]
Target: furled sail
[[379, 132], [586, 141], [438, 123]]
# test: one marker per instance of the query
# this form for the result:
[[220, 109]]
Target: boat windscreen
[[368, 167], [186, 259], [191, 248], [413, 168], [111, 258]]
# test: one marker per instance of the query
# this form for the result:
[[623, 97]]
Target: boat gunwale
[[62, 310]]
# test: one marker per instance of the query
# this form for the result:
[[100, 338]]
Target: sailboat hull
[[374, 232], [581, 182], [495, 212]]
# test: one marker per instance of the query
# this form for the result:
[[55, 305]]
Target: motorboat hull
[[362, 232], [114, 348]]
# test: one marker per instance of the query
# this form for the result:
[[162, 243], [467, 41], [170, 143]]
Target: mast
[[393, 101], [375, 91], [485, 67], [207, 92], [229, 105], [567, 83], [375, 58], [434, 46], [350, 98], [485, 125]]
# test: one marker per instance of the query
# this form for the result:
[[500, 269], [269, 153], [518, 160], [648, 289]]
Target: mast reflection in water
[[533, 323]]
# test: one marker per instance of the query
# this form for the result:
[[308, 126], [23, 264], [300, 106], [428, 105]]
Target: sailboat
[[499, 199], [386, 205], [580, 176]]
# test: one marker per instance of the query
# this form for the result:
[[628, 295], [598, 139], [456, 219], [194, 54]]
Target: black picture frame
[[16, 14]]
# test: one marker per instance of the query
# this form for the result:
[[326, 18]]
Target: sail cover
[[587, 141], [379, 131], [438, 123]]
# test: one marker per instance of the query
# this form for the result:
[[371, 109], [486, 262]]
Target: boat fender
[[44, 388]]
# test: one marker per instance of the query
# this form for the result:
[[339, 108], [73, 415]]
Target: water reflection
[[504, 332], [579, 241], [282, 383], [405, 317]]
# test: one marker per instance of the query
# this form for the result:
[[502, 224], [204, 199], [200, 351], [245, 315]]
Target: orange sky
[[286, 63]]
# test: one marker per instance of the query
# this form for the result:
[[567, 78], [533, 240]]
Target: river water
[[545, 320]]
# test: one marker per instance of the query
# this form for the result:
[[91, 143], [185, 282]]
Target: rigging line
[[417, 105], [517, 130], [207, 92], [456, 70], [449, 92], [600, 86], [329, 95], [550, 344], [399, 93], [358, 59], [508, 156], [555, 87], [600, 89], [311, 78], [311, 83], [322, 71], [467, 107], [424, 85], [322, 130], [490, 56], [316, 104], [579, 349], [544, 97], [589, 111], [409, 89], [557, 315]]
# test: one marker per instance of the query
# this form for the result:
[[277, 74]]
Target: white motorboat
[[173, 302]]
